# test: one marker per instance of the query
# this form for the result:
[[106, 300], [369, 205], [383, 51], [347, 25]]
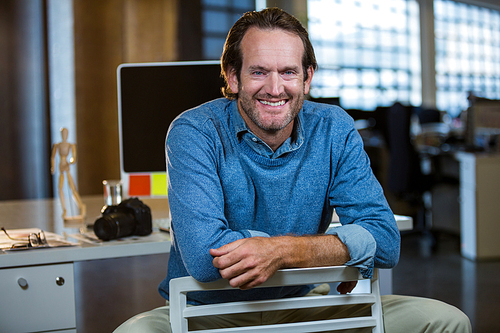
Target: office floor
[[444, 274]]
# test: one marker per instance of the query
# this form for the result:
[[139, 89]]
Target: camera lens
[[114, 225]]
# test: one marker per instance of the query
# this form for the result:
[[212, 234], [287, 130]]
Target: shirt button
[[254, 139]]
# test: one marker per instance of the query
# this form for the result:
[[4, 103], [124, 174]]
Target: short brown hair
[[269, 18]]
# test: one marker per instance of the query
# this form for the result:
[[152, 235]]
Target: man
[[254, 179]]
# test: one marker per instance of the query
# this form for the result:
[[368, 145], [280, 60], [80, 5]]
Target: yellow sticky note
[[159, 184]]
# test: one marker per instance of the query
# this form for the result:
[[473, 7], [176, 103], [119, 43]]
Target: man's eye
[[289, 74], [258, 73]]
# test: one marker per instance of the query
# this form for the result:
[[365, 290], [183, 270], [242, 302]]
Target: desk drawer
[[37, 298]]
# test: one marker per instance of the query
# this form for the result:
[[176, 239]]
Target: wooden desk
[[44, 282]]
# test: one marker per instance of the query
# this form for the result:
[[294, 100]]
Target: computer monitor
[[150, 96]]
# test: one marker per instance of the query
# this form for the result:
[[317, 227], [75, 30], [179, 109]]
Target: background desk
[[103, 284], [479, 205], [93, 274]]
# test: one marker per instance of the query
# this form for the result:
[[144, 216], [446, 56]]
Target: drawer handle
[[22, 283], [59, 280]]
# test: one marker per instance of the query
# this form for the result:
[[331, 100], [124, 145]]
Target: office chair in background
[[405, 178]]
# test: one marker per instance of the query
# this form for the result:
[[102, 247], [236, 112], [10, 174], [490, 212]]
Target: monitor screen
[[150, 96]]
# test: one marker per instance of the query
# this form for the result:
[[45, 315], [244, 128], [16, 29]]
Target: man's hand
[[248, 262]]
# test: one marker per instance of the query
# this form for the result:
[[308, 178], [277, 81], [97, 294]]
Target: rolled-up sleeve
[[361, 246]]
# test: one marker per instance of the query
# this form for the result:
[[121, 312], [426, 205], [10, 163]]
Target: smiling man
[[253, 180]]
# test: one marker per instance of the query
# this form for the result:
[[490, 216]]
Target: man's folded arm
[[197, 201]]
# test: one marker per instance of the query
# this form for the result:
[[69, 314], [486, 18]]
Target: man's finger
[[225, 249]]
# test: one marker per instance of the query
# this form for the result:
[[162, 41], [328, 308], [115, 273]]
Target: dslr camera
[[130, 217]]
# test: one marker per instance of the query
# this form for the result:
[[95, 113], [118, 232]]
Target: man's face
[[271, 88]]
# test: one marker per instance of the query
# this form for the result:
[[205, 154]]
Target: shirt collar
[[238, 122]]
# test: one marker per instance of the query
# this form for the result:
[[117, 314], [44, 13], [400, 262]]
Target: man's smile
[[278, 103]]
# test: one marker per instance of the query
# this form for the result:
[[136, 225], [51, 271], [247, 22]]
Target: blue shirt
[[224, 184]]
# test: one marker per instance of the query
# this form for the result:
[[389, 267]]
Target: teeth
[[282, 102]]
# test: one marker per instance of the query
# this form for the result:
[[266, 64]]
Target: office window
[[218, 16], [467, 41], [368, 51]]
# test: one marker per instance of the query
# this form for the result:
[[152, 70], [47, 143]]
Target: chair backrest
[[180, 313]]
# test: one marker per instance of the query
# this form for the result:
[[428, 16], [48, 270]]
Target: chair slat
[[285, 277], [278, 304], [303, 327]]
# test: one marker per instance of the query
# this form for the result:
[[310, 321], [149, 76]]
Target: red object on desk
[[139, 185]]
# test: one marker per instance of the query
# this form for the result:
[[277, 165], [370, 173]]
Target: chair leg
[[178, 303], [377, 307]]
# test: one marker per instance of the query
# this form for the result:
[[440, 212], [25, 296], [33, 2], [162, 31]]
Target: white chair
[[180, 313]]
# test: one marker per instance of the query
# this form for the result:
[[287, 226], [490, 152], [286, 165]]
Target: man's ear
[[307, 83], [232, 79]]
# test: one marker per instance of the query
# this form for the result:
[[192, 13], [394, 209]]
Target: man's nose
[[274, 84]]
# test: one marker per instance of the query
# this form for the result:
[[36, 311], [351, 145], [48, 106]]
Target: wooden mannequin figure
[[64, 149]]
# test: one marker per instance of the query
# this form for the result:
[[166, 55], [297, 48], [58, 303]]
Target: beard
[[249, 105]]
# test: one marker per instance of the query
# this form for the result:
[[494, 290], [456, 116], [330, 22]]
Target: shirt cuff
[[254, 233], [361, 246]]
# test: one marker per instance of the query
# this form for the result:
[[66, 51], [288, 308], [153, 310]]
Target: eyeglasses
[[34, 240]]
